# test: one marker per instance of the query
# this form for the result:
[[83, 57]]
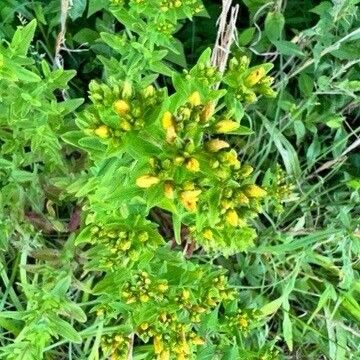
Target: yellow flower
[[215, 145], [169, 190], [189, 199], [195, 99], [226, 126], [254, 191], [232, 218], [255, 76], [149, 91], [146, 181], [121, 107], [102, 131], [158, 344], [192, 165]]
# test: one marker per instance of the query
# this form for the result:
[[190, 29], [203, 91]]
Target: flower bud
[[127, 90], [215, 145], [207, 112], [149, 91], [192, 165], [226, 126], [195, 99], [232, 218], [121, 107], [169, 190], [189, 199], [255, 76], [102, 132], [147, 181], [208, 234], [254, 191]]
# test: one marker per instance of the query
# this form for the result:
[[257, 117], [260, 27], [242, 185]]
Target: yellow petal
[[158, 344], [189, 199], [146, 181], [167, 120]]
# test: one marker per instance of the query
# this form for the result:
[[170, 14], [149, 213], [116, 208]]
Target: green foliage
[[151, 209]]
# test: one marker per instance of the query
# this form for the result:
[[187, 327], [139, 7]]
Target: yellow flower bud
[[102, 131], [232, 218], [255, 76], [158, 344], [144, 326], [121, 107], [189, 199], [195, 99], [146, 181], [125, 246], [246, 170], [185, 294], [215, 145], [165, 355], [207, 112], [197, 340], [242, 199], [167, 120], [125, 125], [243, 322], [163, 287], [208, 234], [144, 298], [192, 165], [169, 125], [169, 190], [254, 191], [149, 91], [226, 126]]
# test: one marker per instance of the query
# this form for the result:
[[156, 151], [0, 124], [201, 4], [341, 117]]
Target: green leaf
[[96, 5], [274, 25], [23, 37], [77, 9], [64, 329], [246, 36], [287, 48]]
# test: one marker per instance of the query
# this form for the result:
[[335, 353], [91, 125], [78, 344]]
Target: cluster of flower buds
[[281, 189], [248, 82], [205, 73], [177, 344], [120, 244], [243, 320], [115, 347], [192, 7], [120, 107], [165, 27], [143, 288]]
